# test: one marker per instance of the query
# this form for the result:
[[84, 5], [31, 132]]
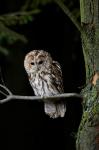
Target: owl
[[45, 77]]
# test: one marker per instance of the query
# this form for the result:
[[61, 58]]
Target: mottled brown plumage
[[45, 77]]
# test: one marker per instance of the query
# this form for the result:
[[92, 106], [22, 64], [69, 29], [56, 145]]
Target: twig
[[66, 10], [69, 14], [10, 96], [20, 13], [1, 74]]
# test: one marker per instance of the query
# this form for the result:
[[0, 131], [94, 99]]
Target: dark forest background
[[23, 123]]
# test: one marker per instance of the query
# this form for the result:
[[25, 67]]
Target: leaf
[[9, 35]]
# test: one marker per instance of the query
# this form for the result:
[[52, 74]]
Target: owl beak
[[37, 68]]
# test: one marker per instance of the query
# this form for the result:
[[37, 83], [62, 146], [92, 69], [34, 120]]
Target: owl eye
[[40, 62], [32, 63]]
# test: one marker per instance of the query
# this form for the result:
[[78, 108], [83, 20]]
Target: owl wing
[[57, 76]]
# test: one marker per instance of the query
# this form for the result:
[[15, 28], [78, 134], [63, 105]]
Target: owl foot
[[55, 110]]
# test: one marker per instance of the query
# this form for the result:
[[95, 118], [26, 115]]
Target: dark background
[[23, 123]]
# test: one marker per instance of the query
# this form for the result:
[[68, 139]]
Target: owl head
[[36, 61]]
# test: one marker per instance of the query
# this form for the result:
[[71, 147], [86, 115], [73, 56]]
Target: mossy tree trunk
[[88, 133]]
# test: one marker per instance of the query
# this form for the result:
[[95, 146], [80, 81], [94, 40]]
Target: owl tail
[[55, 110]]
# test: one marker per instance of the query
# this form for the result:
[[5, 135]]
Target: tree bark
[[88, 133]]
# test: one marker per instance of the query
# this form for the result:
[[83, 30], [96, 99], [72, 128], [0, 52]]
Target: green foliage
[[26, 14], [9, 36], [23, 16], [4, 50]]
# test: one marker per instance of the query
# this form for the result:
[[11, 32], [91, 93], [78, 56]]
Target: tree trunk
[[88, 133]]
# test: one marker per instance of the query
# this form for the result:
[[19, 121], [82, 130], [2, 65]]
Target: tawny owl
[[45, 77]]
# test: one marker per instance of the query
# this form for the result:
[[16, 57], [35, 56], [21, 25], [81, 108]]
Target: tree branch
[[74, 20], [9, 96], [69, 14], [21, 13]]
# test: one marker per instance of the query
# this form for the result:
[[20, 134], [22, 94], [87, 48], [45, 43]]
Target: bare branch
[[66, 10], [69, 14], [6, 89], [10, 96]]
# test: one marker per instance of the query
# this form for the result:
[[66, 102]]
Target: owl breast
[[42, 85]]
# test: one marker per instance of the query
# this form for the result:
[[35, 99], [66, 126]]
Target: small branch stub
[[95, 78]]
